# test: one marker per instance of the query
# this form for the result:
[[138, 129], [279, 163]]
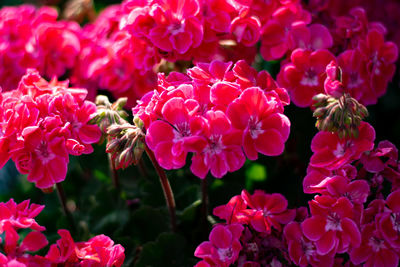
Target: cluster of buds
[[125, 142], [342, 115]]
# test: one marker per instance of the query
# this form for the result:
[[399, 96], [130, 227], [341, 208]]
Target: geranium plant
[[200, 133]]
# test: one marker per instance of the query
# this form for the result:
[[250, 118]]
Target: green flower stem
[[114, 172], [63, 201], [204, 207], [168, 194]]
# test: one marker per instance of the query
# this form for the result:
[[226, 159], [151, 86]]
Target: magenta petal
[[174, 111], [238, 114], [181, 42], [278, 122], [270, 143], [221, 237], [223, 93], [198, 167], [34, 241], [350, 228], [326, 243], [219, 166], [249, 146], [204, 249], [58, 168], [159, 131], [89, 134], [314, 227]]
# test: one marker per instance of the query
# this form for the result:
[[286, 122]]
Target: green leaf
[[255, 173], [166, 251]]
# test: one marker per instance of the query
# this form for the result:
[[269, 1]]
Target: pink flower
[[42, 123], [259, 115], [98, 251], [331, 225], [167, 137], [20, 215], [336, 185], [333, 85], [276, 34], [312, 37], [355, 77], [304, 76], [381, 57], [389, 222], [374, 250], [59, 46], [232, 211], [385, 154], [64, 251], [247, 30], [302, 251], [220, 150], [267, 210], [224, 246], [331, 152]]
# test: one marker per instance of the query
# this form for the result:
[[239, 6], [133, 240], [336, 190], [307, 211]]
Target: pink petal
[[270, 143], [326, 243], [221, 237], [174, 111], [223, 93], [159, 131], [314, 227], [89, 134], [34, 241]]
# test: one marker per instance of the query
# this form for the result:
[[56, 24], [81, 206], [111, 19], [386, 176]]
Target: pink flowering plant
[[202, 133]]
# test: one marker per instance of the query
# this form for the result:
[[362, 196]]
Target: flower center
[[308, 248], [376, 244], [255, 128], [43, 153], [355, 80], [310, 78], [333, 222], [225, 254], [395, 218]]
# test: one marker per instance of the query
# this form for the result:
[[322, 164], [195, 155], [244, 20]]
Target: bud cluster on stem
[[342, 115], [126, 143]]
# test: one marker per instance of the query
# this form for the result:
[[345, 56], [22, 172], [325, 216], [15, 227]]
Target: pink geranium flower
[[304, 76], [331, 225], [224, 246], [267, 211], [259, 116], [389, 222], [302, 251], [374, 250], [331, 152], [42, 123], [220, 151], [167, 137]]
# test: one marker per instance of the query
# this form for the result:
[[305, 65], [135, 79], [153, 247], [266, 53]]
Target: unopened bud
[[138, 122]]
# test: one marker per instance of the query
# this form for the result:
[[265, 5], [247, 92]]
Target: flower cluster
[[354, 44], [98, 251], [352, 212], [252, 234], [33, 38], [41, 124], [220, 112]]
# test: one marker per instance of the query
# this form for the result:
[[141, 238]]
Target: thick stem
[[63, 201], [168, 194], [114, 172]]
